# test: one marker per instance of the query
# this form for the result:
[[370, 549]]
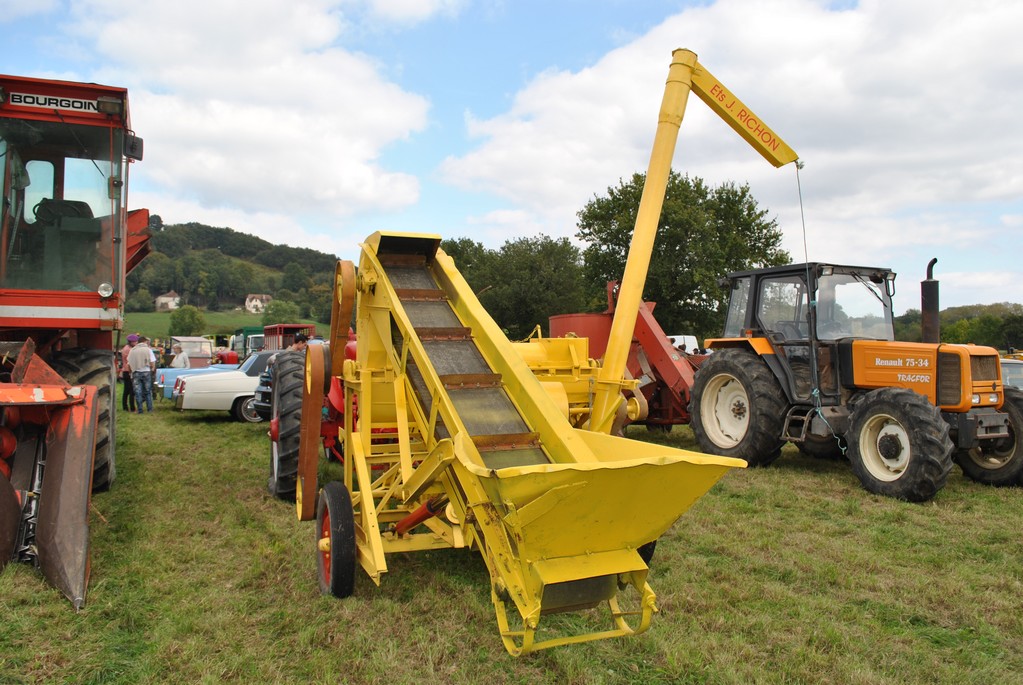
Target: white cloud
[[12, 10], [413, 11], [257, 108], [904, 112]]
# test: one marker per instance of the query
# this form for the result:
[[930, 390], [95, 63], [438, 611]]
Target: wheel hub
[[739, 410], [889, 447]]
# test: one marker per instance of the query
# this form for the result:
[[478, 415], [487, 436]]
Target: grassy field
[[791, 574]]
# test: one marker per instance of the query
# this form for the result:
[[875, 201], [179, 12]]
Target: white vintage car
[[232, 391]]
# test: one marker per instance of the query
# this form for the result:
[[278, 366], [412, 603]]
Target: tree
[[294, 277], [531, 279], [703, 234], [140, 301], [280, 311], [187, 320]]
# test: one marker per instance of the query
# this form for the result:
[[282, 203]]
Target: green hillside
[[155, 325]]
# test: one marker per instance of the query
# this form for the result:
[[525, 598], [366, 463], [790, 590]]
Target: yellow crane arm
[[685, 74]]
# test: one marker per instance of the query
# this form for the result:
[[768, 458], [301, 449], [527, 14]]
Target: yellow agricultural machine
[[451, 441]]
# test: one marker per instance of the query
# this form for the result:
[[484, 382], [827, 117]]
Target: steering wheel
[[50, 211]]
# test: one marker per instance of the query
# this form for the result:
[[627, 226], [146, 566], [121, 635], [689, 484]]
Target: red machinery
[[66, 243], [665, 373]]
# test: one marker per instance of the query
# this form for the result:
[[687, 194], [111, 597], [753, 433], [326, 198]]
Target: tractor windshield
[[62, 205], [853, 305]]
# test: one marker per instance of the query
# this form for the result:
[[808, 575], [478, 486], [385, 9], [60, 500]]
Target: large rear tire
[[286, 410], [335, 541], [738, 408], [899, 445], [998, 462], [79, 366]]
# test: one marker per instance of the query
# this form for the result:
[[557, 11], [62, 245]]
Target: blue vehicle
[[165, 377]]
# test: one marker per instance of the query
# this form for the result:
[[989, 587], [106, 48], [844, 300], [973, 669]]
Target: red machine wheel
[[335, 541]]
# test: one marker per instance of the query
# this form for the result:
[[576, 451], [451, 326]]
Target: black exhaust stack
[[930, 326]]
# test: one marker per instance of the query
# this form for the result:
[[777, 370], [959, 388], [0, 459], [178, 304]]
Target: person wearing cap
[[143, 365], [128, 396], [301, 341]]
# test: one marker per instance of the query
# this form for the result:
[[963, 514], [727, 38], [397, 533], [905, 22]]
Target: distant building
[[167, 302], [256, 303]]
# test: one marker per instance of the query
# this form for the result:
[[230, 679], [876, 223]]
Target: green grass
[[791, 574], [157, 324]]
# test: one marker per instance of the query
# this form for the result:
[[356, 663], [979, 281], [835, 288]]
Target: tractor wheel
[[823, 447], [288, 378], [738, 408], [80, 366], [899, 444], [244, 410], [998, 462], [335, 540]]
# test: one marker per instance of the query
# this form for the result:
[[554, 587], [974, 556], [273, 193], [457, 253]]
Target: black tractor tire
[[738, 408], [79, 366], [899, 445], [998, 462], [335, 530], [828, 447], [286, 408], [244, 410]]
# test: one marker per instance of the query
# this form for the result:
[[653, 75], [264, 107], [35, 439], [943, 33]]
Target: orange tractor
[[66, 243], [809, 356]]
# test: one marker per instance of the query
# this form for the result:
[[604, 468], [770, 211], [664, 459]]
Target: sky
[[315, 123]]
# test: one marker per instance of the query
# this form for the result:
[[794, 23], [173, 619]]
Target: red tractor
[[66, 243]]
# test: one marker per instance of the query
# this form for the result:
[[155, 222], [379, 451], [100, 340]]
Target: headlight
[[105, 290], [975, 399], [992, 398]]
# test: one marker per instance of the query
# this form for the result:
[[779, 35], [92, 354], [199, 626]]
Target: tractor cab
[[810, 313], [65, 150]]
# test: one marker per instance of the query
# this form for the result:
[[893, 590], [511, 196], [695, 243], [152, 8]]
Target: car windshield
[[850, 305], [1012, 373], [254, 364]]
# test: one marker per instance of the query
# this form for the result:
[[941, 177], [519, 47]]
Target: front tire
[[80, 366], [899, 445], [286, 410], [335, 543], [738, 408], [998, 462]]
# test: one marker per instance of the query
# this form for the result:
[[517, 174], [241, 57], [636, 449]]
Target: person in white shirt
[[180, 360]]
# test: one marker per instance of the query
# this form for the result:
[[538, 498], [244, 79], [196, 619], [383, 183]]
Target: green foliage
[[280, 311], [219, 266], [295, 277], [187, 320], [140, 301], [703, 234], [525, 282]]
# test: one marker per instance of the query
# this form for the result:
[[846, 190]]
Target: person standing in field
[[128, 396], [143, 365]]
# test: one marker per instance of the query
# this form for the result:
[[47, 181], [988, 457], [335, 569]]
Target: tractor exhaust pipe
[[930, 325]]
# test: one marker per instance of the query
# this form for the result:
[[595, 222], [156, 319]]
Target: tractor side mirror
[[132, 146]]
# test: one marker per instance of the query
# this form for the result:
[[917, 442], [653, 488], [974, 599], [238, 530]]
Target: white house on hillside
[[256, 303], [167, 302]]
